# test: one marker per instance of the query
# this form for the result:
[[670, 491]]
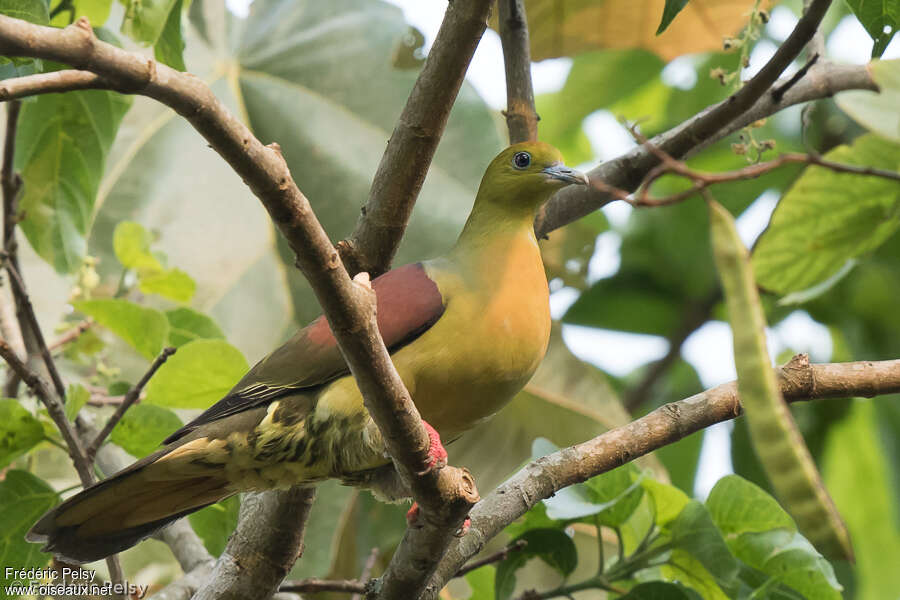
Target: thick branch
[[49, 83], [263, 548], [521, 117], [542, 478], [405, 162]]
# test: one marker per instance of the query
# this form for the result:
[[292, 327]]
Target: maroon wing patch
[[408, 304]]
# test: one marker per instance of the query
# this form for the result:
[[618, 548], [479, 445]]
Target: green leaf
[[143, 428], [187, 324], [776, 438], [169, 48], [739, 506], [659, 590], [215, 524], [24, 499], [146, 19], [880, 18], [619, 490], [174, 284], [694, 531], [684, 568], [33, 11], [552, 546], [482, 583], [144, 329], [617, 303], [672, 8], [61, 148], [828, 218], [787, 557], [856, 469], [877, 111], [20, 431], [76, 397], [200, 373], [131, 243], [505, 575], [96, 12], [668, 500]]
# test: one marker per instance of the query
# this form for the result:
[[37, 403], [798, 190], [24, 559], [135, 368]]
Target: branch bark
[[798, 380], [521, 117], [261, 550], [49, 83], [405, 162]]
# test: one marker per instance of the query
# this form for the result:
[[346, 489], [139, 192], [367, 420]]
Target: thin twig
[[312, 585], [521, 117], [492, 558], [129, 399], [71, 334], [367, 571]]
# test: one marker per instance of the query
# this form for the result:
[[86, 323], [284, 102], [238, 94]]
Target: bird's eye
[[521, 160]]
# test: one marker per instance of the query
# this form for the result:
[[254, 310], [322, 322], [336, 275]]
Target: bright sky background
[[709, 349]]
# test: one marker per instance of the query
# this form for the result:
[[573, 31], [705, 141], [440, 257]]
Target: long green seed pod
[[774, 434]]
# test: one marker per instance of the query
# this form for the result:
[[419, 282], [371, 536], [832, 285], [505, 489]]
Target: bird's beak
[[561, 172]]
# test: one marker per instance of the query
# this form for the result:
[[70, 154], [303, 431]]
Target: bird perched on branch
[[466, 331]]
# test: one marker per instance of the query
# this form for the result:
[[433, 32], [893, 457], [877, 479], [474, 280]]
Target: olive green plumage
[[466, 331]]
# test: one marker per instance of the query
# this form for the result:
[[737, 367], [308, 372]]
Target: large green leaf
[[20, 431], [215, 524], [828, 218], [200, 373], [856, 470], [24, 498], [693, 530], [144, 329], [187, 324], [61, 149]]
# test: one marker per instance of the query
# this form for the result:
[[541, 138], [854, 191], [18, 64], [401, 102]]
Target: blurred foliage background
[[132, 220]]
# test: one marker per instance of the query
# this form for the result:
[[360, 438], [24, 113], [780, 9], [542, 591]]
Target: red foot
[[412, 515], [437, 456], [464, 528]]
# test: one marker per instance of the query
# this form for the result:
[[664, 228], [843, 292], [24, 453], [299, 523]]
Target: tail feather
[[120, 511]]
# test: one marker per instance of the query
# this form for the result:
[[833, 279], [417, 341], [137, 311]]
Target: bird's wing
[[409, 303]]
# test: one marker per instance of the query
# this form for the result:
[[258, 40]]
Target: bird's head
[[526, 175]]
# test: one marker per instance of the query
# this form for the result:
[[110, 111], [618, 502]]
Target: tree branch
[[798, 380], [129, 399], [414, 140], [49, 83], [521, 117], [261, 550], [749, 104]]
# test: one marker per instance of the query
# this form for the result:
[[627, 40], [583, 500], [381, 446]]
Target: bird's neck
[[491, 226]]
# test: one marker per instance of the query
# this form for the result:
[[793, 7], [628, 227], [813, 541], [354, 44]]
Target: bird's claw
[[464, 528], [437, 455]]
